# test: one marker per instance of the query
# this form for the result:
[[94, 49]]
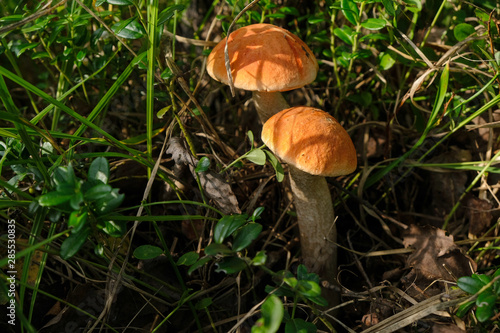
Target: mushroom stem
[[268, 104], [315, 215]]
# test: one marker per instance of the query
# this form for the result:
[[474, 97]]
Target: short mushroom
[[315, 146], [266, 60]]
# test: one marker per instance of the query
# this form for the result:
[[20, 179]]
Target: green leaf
[[463, 30], [386, 61], [350, 11], [54, 198], [256, 156], [346, 34], [97, 192], [389, 7], [168, 12], [260, 258], [464, 308], [256, 213], [99, 170], [201, 262], [226, 226], [438, 103], [203, 303], [203, 164], [215, 249], [272, 316], [250, 138], [129, 29], [115, 228], [373, 24], [188, 258], [230, 265], [308, 288], [73, 243], [246, 236], [77, 220], [278, 168], [470, 284], [299, 325], [147, 252], [485, 306], [108, 203], [121, 2]]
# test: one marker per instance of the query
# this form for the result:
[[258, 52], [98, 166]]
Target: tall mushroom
[[315, 146], [266, 60]]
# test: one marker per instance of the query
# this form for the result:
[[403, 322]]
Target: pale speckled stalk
[[268, 104], [315, 216]]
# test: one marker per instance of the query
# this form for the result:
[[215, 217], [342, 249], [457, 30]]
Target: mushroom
[[266, 60], [315, 146]]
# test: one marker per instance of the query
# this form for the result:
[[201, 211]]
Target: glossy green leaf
[[230, 265], [99, 170], [226, 226], [168, 12], [129, 29], [121, 2], [97, 192], [54, 198], [108, 203], [257, 213], [203, 164], [77, 220], [346, 34], [389, 7], [463, 30], [272, 315], [144, 252], [256, 156], [200, 263], [373, 24], [298, 325], [486, 304], [188, 258], [308, 288], [260, 258], [278, 168], [215, 249], [246, 236], [115, 228], [350, 11], [470, 284], [76, 200], [71, 245]]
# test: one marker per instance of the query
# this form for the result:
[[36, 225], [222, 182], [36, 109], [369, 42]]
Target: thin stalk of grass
[[152, 9], [68, 92], [14, 65], [103, 102], [28, 86], [12, 109]]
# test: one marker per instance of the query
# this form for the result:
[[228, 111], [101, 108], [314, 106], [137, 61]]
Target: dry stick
[[226, 53]]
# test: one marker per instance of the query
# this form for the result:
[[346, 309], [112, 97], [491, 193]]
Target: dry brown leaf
[[436, 256], [213, 184], [479, 213]]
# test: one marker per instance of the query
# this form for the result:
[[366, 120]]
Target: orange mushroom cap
[[311, 140], [264, 57]]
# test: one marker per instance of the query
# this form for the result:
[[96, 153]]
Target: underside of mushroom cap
[[264, 57]]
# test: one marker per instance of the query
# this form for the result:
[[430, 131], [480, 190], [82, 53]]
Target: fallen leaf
[[436, 256], [479, 213], [214, 186]]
